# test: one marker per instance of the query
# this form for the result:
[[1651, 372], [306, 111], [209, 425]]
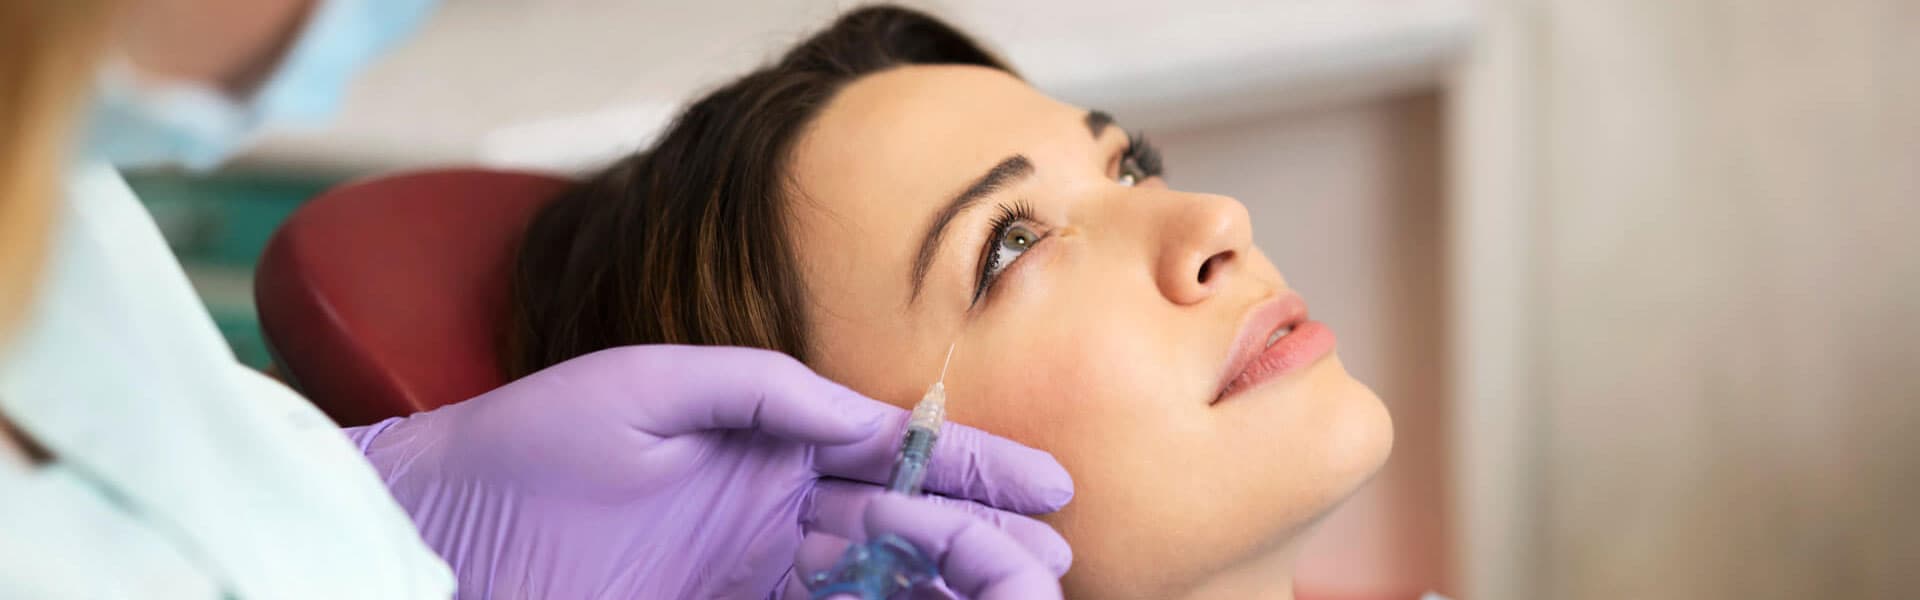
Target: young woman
[[889, 189]]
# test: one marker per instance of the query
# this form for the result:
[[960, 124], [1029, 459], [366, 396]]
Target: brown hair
[[686, 242], [47, 55]]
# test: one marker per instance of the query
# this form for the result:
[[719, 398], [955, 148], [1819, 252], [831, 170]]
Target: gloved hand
[[976, 561], [677, 472]]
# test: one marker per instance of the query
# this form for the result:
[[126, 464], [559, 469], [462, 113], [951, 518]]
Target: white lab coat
[[178, 472]]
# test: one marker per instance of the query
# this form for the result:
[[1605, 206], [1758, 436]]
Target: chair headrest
[[386, 297]]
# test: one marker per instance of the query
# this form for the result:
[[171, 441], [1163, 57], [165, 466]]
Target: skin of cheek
[[1170, 491], [1062, 366]]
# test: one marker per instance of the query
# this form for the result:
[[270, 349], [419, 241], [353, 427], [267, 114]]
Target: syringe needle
[[949, 361]]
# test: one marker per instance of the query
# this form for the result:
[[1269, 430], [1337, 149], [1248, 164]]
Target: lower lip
[[1301, 347]]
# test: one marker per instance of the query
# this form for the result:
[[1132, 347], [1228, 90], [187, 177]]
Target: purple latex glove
[[977, 561], [676, 472]]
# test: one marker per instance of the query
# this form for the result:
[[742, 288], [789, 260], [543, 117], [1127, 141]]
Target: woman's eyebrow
[[1009, 170], [1097, 122]]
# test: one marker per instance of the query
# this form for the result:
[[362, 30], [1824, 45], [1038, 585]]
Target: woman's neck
[[1268, 577]]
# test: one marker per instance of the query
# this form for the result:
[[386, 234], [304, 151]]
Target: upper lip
[[1286, 309]]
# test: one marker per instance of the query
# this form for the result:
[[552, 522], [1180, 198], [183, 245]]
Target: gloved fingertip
[[1058, 557], [1039, 539], [1055, 486]]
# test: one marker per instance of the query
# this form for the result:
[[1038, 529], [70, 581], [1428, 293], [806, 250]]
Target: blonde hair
[[48, 51]]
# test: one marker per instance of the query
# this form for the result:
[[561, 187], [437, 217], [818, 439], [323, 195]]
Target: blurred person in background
[[139, 459]]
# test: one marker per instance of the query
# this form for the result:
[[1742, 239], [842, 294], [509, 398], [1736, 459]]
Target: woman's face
[[1111, 319]]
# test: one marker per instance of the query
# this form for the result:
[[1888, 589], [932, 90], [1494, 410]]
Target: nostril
[[1212, 263]]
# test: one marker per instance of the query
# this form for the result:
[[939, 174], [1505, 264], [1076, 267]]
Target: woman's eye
[[1130, 172], [1140, 162], [1014, 241]]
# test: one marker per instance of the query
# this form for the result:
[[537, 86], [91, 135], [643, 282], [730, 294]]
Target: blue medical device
[[887, 564]]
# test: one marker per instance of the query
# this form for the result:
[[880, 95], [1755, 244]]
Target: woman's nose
[[1204, 239]]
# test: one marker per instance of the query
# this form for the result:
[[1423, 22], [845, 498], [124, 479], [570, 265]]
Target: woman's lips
[[1253, 361]]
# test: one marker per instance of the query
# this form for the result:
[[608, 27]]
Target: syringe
[[923, 429], [888, 564]]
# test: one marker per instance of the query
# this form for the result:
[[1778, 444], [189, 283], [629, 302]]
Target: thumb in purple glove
[[977, 560]]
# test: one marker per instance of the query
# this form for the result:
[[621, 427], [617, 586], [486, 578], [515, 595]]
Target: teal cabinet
[[218, 224]]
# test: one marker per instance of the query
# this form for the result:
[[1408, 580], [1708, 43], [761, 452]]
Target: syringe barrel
[[910, 467], [923, 429]]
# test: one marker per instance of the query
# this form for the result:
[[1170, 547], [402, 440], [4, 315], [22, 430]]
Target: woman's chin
[[1320, 413], [1292, 452], [1359, 429], [1341, 436]]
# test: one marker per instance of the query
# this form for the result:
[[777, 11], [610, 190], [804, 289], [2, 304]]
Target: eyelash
[[1140, 162], [1018, 214]]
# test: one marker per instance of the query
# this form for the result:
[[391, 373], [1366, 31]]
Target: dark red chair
[[385, 297]]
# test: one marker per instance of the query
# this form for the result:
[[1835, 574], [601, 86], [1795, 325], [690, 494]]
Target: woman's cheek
[[1041, 382], [1024, 399]]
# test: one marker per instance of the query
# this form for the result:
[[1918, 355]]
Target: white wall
[[1718, 307], [561, 83]]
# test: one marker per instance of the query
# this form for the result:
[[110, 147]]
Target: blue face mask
[[136, 123]]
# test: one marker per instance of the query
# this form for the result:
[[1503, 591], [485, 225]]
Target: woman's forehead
[[914, 135], [891, 149]]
